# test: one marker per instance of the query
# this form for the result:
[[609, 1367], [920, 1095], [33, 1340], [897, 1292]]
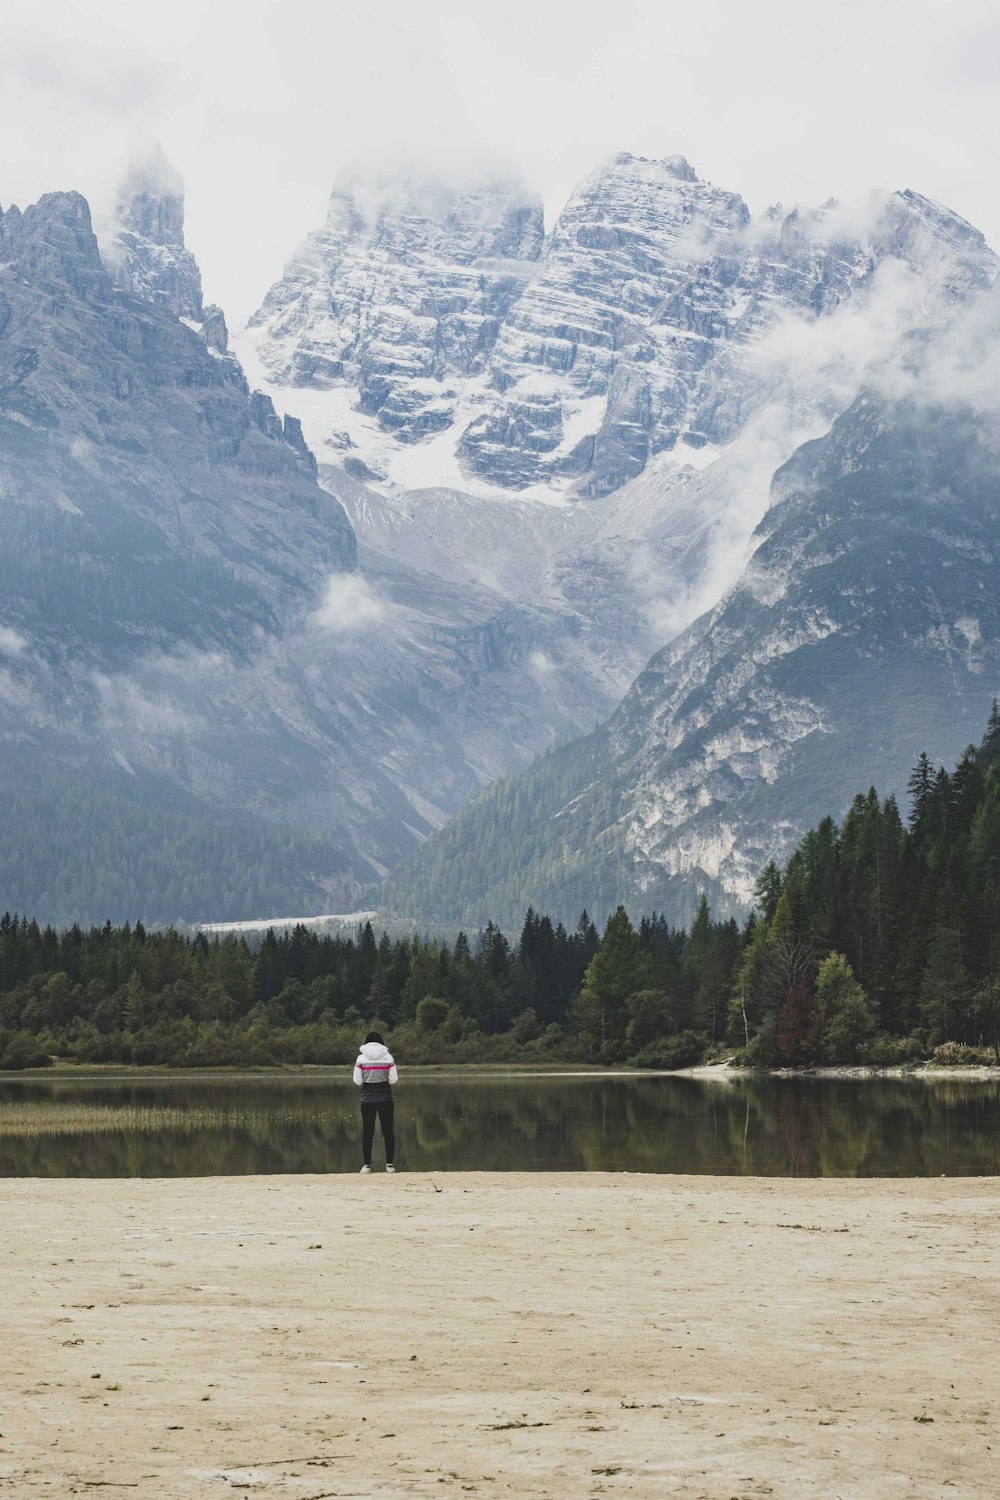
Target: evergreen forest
[[878, 943], [82, 845]]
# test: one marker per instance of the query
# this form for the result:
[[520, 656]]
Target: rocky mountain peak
[[680, 167], [53, 244], [436, 316], [919, 230], [671, 166], [145, 248], [396, 301], [669, 185], [409, 211], [151, 200]]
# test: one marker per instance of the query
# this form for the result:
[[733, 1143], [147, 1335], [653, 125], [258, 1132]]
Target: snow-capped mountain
[[184, 627], [604, 445], [602, 460], [432, 339], [398, 299], [189, 617], [865, 628]]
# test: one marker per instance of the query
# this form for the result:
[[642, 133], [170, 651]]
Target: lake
[[229, 1124]]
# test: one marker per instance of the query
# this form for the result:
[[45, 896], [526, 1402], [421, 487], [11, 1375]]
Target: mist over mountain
[[434, 337], [865, 628], [187, 644], [257, 645], [501, 453]]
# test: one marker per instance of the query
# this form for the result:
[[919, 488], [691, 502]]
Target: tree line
[[878, 942], [80, 845]]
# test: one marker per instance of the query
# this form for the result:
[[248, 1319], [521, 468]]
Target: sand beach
[[557, 1335]]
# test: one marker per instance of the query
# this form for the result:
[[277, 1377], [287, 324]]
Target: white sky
[[259, 103]]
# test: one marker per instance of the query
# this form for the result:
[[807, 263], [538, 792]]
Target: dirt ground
[[547, 1335]]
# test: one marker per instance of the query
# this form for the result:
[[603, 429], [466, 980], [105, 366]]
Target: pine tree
[[990, 747], [617, 971], [767, 890], [920, 787], [944, 986], [846, 1016], [138, 1009]]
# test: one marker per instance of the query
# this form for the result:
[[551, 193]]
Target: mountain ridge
[[864, 627], [189, 616]]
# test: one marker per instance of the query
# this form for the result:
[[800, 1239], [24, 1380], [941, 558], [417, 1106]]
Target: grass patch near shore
[[29, 1117]]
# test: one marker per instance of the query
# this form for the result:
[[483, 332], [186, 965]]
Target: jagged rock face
[[610, 332], [400, 296], [214, 330], [865, 629], [165, 542], [653, 290], [121, 420], [172, 591], [633, 333], [147, 252], [180, 610]]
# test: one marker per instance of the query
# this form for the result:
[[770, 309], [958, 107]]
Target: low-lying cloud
[[12, 643], [957, 363], [349, 604]]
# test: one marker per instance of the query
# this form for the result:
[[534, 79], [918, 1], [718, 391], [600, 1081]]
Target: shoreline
[[721, 1072], [535, 1334]]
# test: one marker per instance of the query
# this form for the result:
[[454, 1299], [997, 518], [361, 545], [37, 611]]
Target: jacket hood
[[375, 1052]]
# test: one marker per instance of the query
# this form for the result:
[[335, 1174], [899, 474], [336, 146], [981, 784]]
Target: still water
[[163, 1126]]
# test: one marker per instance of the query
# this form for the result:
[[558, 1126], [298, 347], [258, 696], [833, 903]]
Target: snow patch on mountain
[[656, 317]]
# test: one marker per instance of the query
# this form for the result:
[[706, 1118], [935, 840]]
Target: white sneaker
[[364, 1170], [389, 1167]]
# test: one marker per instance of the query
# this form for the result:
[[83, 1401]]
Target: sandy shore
[[531, 1335]]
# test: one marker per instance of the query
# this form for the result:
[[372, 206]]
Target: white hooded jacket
[[375, 1070]]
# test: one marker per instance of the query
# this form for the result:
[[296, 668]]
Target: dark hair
[[374, 1036]]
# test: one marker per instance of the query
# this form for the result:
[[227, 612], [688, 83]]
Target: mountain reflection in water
[[162, 1126]]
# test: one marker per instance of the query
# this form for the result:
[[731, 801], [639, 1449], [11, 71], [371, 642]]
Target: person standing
[[375, 1072]]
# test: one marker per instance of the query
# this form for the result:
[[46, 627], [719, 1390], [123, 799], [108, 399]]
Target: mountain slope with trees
[[878, 942], [866, 623]]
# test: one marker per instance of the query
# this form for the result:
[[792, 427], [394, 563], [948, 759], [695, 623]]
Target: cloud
[[795, 103], [704, 540], [823, 360], [166, 697], [956, 363], [809, 369], [349, 604], [12, 643], [542, 665]]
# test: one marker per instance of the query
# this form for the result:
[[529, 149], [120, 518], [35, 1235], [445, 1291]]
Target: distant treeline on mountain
[[80, 846], [878, 943]]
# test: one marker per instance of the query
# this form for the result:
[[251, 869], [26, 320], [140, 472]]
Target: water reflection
[[206, 1126]]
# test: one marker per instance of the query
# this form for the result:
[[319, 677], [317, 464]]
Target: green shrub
[[432, 1012], [764, 1049], [525, 1027], [685, 1050], [22, 1051], [957, 1055], [884, 1051]]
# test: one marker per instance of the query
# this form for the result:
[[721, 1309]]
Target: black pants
[[385, 1109]]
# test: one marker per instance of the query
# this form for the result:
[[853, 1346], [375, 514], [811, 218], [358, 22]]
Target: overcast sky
[[259, 104]]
